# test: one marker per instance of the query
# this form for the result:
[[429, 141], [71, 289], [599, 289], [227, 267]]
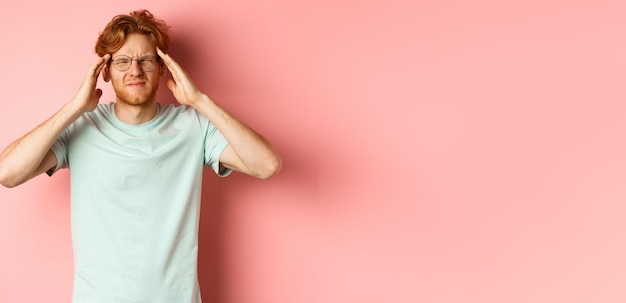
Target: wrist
[[202, 100], [75, 108]]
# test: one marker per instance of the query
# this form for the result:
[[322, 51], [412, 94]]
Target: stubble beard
[[135, 99]]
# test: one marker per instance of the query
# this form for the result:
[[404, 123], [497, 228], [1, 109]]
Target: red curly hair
[[140, 21]]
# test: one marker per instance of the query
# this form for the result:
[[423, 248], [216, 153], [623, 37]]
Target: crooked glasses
[[123, 63]]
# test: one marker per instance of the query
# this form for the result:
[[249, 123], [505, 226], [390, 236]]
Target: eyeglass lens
[[123, 63]]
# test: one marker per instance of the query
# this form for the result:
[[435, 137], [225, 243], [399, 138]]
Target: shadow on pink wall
[[210, 258], [298, 149]]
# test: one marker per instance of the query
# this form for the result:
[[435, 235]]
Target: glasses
[[122, 63]]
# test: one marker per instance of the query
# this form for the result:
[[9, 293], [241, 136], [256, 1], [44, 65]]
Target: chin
[[136, 100]]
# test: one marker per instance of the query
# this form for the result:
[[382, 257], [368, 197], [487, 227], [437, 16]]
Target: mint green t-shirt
[[135, 199]]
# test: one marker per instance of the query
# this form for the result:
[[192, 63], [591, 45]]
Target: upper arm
[[229, 159], [49, 162], [261, 167]]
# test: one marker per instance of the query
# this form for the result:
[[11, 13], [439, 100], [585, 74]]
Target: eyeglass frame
[[139, 61]]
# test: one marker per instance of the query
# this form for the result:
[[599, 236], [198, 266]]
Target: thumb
[[171, 85], [97, 95]]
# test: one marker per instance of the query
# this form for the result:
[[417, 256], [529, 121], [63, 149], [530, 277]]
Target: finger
[[164, 56], [105, 60], [98, 65], [167, 60], [94, 67], [160, 52], [172, 65]]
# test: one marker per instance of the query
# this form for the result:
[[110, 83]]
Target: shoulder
[[104, 108], [102, 111], [171, 111], [101, 114], [174, 110]]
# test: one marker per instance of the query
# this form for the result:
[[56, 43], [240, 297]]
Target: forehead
[[136, 45]]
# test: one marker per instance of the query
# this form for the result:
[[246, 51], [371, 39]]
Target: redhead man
[[136, 167]]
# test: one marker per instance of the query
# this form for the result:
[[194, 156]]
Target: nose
[[135, 68]]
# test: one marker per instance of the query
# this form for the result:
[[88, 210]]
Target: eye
[[121, 61]]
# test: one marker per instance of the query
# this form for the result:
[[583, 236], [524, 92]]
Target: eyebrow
[[142, 57]]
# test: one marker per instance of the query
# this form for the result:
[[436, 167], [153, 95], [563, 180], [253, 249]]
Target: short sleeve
[[59, 149], [214, 145]]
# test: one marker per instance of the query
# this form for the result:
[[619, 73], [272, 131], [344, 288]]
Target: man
[[136, 167]]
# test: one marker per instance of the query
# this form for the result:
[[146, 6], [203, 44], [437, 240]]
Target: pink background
[[434, 151]]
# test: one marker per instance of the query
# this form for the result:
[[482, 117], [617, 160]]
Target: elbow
[[272, 167], [9, 178], [8, 185], [6, 180]]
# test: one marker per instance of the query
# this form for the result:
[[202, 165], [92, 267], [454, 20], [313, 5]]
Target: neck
[[135, 114]]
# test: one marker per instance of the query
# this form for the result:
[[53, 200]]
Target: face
[[135, 86]]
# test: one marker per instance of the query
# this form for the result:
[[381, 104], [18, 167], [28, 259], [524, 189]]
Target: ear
[[162, 69], [105, 73]]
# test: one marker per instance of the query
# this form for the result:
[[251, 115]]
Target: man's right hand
[[31, 155], [88, 96]]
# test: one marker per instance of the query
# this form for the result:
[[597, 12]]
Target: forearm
[[247, 151], [252, 149], [21, 160]]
